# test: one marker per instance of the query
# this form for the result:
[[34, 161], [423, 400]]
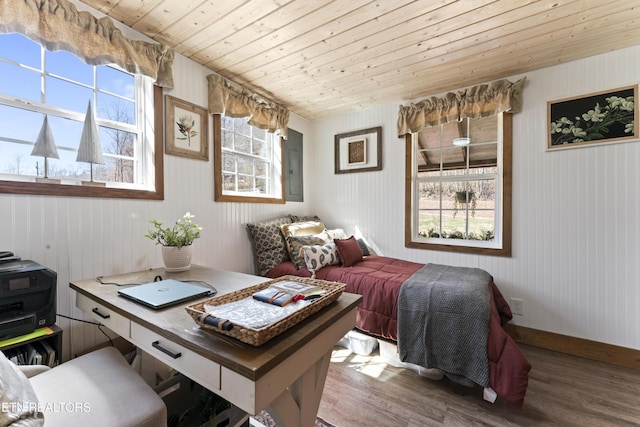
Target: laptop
[[164, 293]]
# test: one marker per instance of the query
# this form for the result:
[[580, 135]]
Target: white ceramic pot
[[177, 259]]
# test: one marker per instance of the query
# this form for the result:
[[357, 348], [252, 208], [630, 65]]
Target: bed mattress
[[378, 279]]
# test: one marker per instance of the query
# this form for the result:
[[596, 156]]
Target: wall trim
[[593, 350]]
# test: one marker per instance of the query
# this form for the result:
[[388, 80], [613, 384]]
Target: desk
[[286, 375]]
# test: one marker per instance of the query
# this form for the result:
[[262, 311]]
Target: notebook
[[164, 293]]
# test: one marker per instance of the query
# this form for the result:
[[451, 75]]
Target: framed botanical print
[[597, 118], [186, 129]]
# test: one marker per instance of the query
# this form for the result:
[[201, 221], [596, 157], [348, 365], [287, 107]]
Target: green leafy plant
[[486, 235], [183, 232], [461, 198]]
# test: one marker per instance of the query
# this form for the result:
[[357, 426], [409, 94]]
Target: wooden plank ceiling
[[325, 57], [436, 141]]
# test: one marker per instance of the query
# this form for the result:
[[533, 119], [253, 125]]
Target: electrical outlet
[[517, 306]]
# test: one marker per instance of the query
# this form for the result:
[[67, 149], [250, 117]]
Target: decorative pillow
[[349, 251], [295, 243], [306, 228], [337, 233], [18, 401], [363, 247], [296, 218], [316, 257], [367, 248], [267, 243]]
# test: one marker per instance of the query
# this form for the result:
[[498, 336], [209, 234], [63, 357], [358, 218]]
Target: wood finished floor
[[563, 391]]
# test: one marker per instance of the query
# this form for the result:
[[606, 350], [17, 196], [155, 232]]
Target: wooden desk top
[[175, 324]]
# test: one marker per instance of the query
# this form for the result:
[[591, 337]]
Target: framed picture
[[598, 118], [186, 129], [359, 151]]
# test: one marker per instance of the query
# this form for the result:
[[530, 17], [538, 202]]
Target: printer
[[27, 297]]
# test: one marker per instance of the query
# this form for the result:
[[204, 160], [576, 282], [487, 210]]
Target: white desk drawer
[[176, 356], [112, 320]]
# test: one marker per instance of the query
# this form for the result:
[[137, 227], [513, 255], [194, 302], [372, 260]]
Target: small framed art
[[598, 118], [359, 151], [186, 129]]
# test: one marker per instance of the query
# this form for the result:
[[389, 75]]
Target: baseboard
[[593, 350]]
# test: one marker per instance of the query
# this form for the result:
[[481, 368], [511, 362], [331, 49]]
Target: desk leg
[[145, 365], [298, 405], [152, 370]]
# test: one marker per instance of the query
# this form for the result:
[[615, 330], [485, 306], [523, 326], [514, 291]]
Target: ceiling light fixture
[[461, 142], [464, 140]]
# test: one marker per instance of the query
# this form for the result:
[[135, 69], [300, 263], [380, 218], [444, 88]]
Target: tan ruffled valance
[[233, 100], [57, 25], [475, 102]]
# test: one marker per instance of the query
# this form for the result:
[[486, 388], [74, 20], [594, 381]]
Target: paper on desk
[[250, 313]]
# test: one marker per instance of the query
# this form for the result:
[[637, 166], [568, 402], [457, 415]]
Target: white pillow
[[316, 257], [336, 233], [19, 403]]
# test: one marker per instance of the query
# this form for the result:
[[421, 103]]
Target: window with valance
[[458, 169], [248, 139], [61, 61]]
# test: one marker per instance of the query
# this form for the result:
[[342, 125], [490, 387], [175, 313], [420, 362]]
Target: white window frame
[[275, 159], [501, 244], [147, 158]]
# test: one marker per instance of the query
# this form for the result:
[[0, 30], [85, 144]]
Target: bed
[[380, 281]]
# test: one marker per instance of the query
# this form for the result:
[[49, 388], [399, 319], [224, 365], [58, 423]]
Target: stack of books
[[33, 352], [286, 292]]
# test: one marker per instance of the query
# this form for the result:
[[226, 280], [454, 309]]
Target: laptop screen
[[164, 293]]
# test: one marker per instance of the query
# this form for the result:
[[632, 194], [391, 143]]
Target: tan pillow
[[305, 228]]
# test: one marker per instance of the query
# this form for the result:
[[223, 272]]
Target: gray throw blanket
[[443, 321]]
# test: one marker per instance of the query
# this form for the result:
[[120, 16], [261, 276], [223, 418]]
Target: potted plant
[[176, 241], [461, 198]]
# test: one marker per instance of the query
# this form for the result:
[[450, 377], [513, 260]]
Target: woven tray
[[257, 337]]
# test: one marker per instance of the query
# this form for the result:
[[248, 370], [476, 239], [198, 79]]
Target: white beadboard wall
[[81, 238], [576, 239]]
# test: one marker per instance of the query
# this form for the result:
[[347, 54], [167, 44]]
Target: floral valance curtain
[[233, 100], [475, 102], [57, 24]]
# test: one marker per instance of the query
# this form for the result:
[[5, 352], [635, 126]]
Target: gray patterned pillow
[[268, 244], [295, 243], [296, 218], [316, 257]]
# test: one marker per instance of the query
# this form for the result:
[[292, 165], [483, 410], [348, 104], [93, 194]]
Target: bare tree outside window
[[121, 143]]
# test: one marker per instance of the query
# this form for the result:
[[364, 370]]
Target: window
[[459, 196], [38, 83], [248, 162]]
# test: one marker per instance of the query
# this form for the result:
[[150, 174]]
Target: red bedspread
[[378, 280]]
